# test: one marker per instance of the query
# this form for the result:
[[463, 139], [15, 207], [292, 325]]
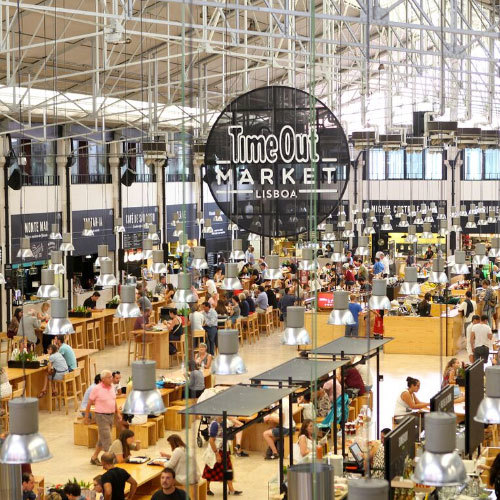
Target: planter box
[[73, 314], [27, 364], [111, 306]]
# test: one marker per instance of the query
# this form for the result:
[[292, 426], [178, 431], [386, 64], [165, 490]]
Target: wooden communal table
[[160, 347], [35, 378]]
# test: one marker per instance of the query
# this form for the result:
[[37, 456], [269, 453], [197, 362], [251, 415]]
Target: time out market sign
[[274, 156]]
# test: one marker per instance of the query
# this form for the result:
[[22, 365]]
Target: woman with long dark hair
[[121, 447], [177, 460]]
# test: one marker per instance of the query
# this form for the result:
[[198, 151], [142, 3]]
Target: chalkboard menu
[[36, 227], [133, 221], [102, 225], [474, 394], [444, 400]]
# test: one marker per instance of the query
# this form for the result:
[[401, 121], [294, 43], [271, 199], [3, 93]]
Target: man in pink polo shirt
[[103, 398]]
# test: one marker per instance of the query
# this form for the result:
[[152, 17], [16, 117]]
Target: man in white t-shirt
[[480, 338], [196, 318], [468, 309], [273, 434], [210, 285], [475, 321]]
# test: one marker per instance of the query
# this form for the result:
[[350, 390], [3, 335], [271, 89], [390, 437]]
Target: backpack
[[470, 308], [492, 301]]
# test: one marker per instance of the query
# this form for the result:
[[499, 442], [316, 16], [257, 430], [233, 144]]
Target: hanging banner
[[36, 227], [134, 219], [102, 224], [274, 156]]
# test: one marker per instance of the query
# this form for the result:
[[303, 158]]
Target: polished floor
[[251, 474]]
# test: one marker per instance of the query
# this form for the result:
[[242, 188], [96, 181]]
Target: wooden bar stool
[[276, 319], [114, 336], [79, 390], [5, 345], [138, 348], [78, 338], [253, 326], [83, 376], [245, 328], [91, 336], [199, 336], [99, 335], [238, 326]]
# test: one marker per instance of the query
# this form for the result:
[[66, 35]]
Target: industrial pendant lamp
[[127, 308], [363, 248], [480, 257], [184, 297], [470, 222], [460, 267], [441, 214], [418, 219], [443, 228], [371, 216], [158, 266], [454, 211], [119, 228], [207, 227], [67, 244], [56, 262], [228, 361], [295, 333], [386, 226], [231, 281], [482, 220], [148, 221], [348, 232], [24, 444], [481, 209], [153, 233], [54, 232], [369, 229], [399, 211], [463, 211], [491, 216], [433, 208], [426, 232], [355, 210], [199, 261], [273, 269], [489, 409], [338, 251], [410, 285], [232, 226], [59, 324], [358, 218], [366, 207], [87, 228], [342, 210], [456, 226], [183, 246], [145, 398], [341, 315], [438, 274], [440, 464], [217, 216], [308, 263], [24, 251], [423, 209], [329, 235], [341, 221], [368, 489], [175, 219], [387, 213], [379, 299], [47, 290], [495, 248], [321, 227], [237, 253], [106, 277], [147, 248], [102, 255], [472, 209], [412, 212], [403, 221], [178, 230], [411, 237], [428, 217]]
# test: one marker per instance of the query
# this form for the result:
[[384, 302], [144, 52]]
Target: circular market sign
[[273, 156]]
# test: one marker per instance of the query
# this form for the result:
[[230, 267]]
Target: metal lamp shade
[[199, 261], [56, 262], [379, 299], [470, 222], [237, 253], [463, 211], [355, 209], [273, 270], [429, 218], [491, 216], [207, 227], [228, 361], [460, 267], [426, 233], [119, 227], [495, 248], [231, 281], [438, 274], [127, 307], [480, 258], [295, 333], [310, 481], [217, 216], [308, 263], [24, 251], [441, 214], [348, 232], [456, 226], [338, 251], [321, 227], [387, 213], [423, 208], [440, 464], [175, 219], [102, 255], [106, 277], [145, 398], [369, 229], [473, 209], [403, 222], [328, 235], [341, 315], [418, 219], [54, 232], [342, 210], [178, 230], [87, 228], [152, 233], [368, 489], [363, 246], [47, 290], [482, 220], [481, 209], [386, 226], [184, 296], [366, 207], [358, 219], [147, 248], [59, 324], [412, 234], [371, 216], [443, 227], [454, 211], [67, 244], [24, 444], [410, 285], [399, 211], [489, 409], [412, 212], [341, 221], [183, 246], [158, 266]]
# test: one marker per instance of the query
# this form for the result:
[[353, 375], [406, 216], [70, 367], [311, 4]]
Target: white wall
[[139, 194], [91, 196], [34, 200]]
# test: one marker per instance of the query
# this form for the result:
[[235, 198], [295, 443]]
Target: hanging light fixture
[[366, 207], [480, 257], [328, 235], [411, 237], [368, 489], [489, 408], [369, 229], [24, 251], [147, 249], [438, 274], [183, 246], [59, 324], [217, 216], [145, 398], [106, 277], [491, 216], [341, 315], [418, 219], [102, 255], [456, 226], [307, 262], [237, 253], [153, 233], [423, 209], [440, 464], [426, 232], [441, 214], [481, 209], [199, 261], [207, 227], [47, 290], [342, 210], [355, 210], [24, 444], [482, 219], [273, 269], [399, 211], [495, 247], [470, 222], [148, 220], [321, 227], [358, 218], [66, 245], [118, 223], [228, 361], [386, 226], [56, 262], [175, 219], [127, 308], [87, 228], [379, 299], [338, 251], [184, 297], [178, 230], [158, 266], [348, 232], [443, 228], [472, 209], [460, 267], [433, 208], [54, 232], [295, 333], [454, 211], [463, 211], [231, 281], [371, 216], [341, 221], [412, 212], [387, 213], [363, 248], [403, 222], [232, 226], [410, 285]]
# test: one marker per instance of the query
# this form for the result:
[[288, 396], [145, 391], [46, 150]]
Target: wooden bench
[[175, 421], [160, 425], [146, 433], [86, 435]]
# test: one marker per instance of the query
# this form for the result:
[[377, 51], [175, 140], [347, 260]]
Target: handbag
[[209, 457]]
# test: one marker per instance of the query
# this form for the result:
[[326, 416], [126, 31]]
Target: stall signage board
[[274, 156], [36, 227], [102, 224], [133, 221]]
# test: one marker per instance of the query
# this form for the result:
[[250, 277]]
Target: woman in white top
[[5, 387], [303, 448], [407, 400], [178, 460]]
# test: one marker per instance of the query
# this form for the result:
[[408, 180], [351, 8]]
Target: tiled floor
[[251, 474]]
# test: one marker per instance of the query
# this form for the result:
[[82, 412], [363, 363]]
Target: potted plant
[[113, 303], [79, 312], [24, 359], [84, 486]]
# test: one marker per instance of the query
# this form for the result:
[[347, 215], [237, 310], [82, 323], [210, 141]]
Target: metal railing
[[91, 179], [40, 180], [145, 178]]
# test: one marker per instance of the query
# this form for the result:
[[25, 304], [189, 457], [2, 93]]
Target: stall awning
[[351, 346]]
